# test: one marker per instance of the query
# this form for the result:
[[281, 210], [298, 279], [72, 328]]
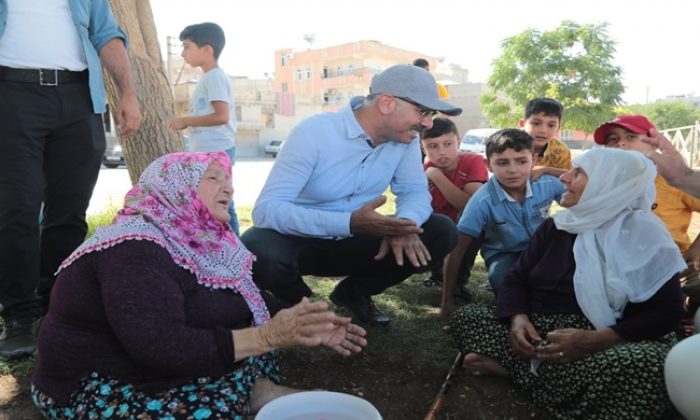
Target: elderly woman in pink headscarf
[[156, 315]]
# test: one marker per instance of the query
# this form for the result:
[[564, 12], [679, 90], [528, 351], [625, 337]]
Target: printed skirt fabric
[[225, 397], [622, 382]]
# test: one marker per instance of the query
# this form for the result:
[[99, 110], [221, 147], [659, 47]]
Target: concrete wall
[[466, 96]]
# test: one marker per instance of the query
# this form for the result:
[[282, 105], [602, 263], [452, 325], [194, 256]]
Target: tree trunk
[[154, 138]]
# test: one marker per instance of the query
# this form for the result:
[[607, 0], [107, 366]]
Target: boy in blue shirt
[[506, 210], [212, 111]]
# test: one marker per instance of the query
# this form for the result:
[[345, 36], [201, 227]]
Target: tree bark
[[154, 138]]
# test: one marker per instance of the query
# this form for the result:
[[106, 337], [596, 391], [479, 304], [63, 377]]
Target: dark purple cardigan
[[131, 313], [542, 281]]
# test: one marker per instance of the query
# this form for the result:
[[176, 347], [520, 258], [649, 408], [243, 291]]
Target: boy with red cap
[[674, 207]]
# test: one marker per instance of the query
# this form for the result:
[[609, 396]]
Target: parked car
[[473, 140], [274, 147], [114, 156]]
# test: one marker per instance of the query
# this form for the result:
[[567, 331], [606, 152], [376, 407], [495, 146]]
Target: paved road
[[249, 176]]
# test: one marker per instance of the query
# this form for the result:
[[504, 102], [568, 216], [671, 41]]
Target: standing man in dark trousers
[[317, 211], [51, 143]]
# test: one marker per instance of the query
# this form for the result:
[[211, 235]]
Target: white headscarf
[[623, 252]]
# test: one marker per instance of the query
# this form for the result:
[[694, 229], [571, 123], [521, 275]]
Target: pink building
[[325, 79]]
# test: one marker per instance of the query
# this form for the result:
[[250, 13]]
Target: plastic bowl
[[318, 405], [682, 373]]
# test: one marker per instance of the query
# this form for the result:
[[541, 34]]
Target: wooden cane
[[439, 400]]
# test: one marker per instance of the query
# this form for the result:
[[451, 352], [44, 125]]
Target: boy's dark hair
[[508, 138], [421, 62], [207, 33], [440, 126], [548, 106]]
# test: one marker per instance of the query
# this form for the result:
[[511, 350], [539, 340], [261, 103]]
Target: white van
[[473, 140]]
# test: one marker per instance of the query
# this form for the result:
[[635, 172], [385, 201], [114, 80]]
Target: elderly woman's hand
[[569, 344], [565, 345], [303, 324], [346, 338], [312, 324], [522, 334]]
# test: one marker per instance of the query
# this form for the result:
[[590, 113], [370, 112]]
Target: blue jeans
[[232, 207], [497, 266]]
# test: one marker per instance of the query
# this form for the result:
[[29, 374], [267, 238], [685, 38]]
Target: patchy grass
[[416, 333], [20, 367], [103, 218]]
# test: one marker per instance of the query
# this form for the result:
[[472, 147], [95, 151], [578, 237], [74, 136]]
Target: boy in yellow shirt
[[542, 121], [673, 206]]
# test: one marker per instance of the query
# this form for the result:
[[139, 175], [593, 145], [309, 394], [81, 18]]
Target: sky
[[657, 42]]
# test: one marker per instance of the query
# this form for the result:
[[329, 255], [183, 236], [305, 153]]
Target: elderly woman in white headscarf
[[586, 316]]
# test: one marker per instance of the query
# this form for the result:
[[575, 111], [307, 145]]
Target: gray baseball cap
[[414, 83]]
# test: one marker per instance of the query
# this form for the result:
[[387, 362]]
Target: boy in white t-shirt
[[212, 112]]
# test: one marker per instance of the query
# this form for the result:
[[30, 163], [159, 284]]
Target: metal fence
[[687, 141]]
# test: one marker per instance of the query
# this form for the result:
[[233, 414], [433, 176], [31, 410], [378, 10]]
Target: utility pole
[[172, 42]]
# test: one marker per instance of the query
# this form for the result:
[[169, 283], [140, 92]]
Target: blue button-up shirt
[[327, 169], [508, 224], [96, 26]]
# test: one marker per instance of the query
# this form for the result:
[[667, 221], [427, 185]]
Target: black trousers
[[282, 260], [51, 145]]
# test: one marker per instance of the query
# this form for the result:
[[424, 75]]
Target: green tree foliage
[[666, 114], [572, 63]]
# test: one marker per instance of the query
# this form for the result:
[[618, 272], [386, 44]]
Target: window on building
[[566, 135], [284, 60], [298, 74], [350, 69], [308, 73], [284, 87], [326, 99], [339, 70], [325, 72]]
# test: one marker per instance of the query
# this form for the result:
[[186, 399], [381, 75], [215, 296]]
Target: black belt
[[44, 77]]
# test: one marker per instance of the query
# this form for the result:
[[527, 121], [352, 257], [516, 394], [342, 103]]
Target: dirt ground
[[399, 390], [402, 390], [15, 403]]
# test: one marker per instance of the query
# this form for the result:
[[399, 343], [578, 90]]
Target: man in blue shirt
[[51, 142], [317, 211]]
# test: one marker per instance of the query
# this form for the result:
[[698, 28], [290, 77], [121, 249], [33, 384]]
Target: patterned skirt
[[623, 382], [225, 397]]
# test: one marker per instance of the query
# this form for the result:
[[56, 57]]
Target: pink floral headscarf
[[164, 207]]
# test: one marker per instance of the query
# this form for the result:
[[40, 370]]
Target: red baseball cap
[[635, 123]]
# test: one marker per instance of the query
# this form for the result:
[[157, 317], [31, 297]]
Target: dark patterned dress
[[226, 397], [623, 382]]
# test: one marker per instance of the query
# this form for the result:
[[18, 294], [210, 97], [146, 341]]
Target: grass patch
[[22, 367], [101, 219], [417, 333]]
